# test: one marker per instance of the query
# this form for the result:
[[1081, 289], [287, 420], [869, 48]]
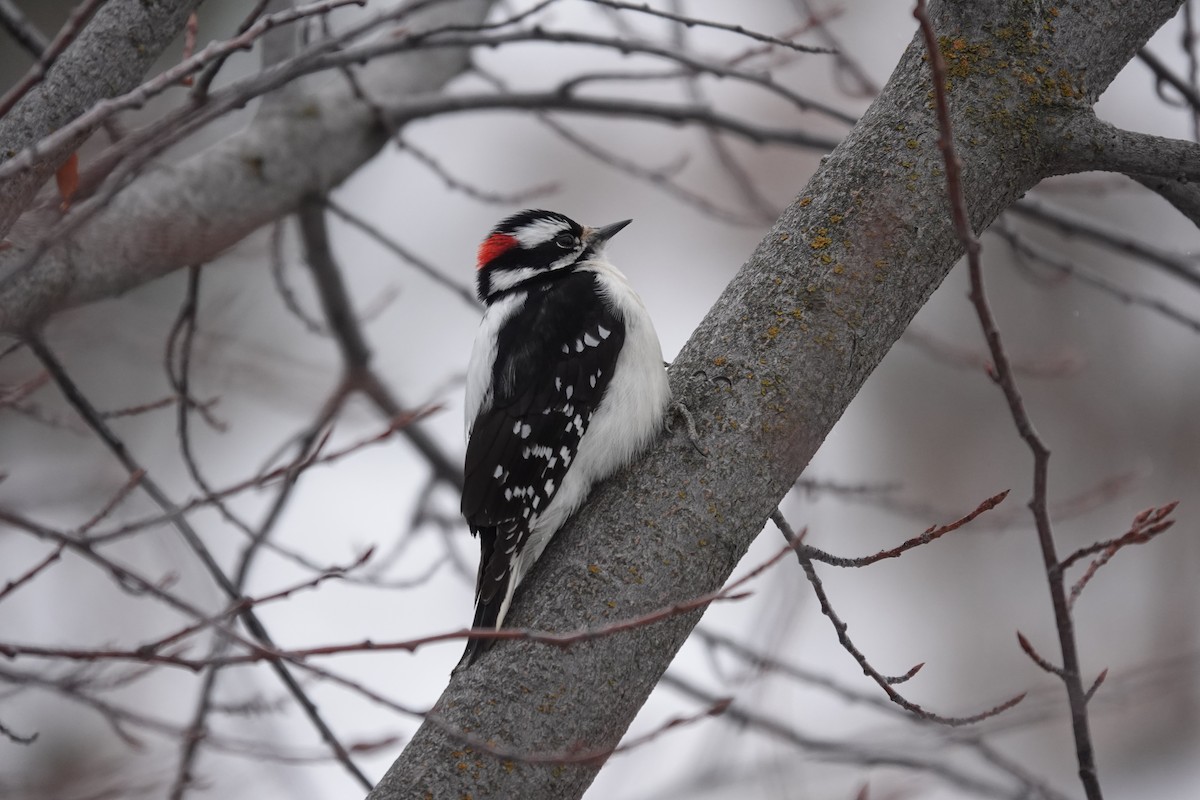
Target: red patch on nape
[[495, 245]]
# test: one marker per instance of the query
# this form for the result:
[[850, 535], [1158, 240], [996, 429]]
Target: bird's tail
[[487, 615]]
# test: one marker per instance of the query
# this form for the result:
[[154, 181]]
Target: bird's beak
[[601, 235]]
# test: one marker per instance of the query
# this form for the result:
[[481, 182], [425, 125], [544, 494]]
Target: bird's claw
[[678, 409]]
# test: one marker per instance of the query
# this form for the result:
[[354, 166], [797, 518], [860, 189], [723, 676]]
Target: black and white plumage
[[565, 386]]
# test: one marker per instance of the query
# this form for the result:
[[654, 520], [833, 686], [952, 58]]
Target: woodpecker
[[566, 385]]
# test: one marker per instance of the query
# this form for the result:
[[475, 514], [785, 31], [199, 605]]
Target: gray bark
[[772, 367], [110, 56]]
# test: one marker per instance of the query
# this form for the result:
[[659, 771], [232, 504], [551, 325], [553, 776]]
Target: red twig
[[1146, 526], [258, 652], [310, 459], [130, 484], [31, 573], [885, 682], [1084, 752], [12, 395], [1037, 657], [189, 43], [932, 533]]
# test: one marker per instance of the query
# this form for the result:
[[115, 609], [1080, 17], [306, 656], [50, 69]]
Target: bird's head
[[535, 244]]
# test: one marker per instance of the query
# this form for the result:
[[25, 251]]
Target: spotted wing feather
[[559, 353]]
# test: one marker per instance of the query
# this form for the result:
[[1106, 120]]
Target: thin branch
[[1024, 247], [884, 682], [1084, 751], [694, 22], [951, 353], [25, 577], [94, 421], [966, 738], [746, 186], [202, 84], [930, 534], [435, 166], [22, 29], [16, 738], [661, 178], [842, 752], [1088, 143], [1179, 266], [1037, 657], [1146, 526], [424, 267], [1163, 74], [285, 292]]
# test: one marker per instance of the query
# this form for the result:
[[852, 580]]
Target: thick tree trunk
[[770, 370]]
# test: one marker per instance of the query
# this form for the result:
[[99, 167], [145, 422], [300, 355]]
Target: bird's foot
[[678, 409]]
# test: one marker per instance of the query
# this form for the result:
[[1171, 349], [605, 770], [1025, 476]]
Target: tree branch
[[1089, 143], [109, 57], [189, 212], [774, 364]]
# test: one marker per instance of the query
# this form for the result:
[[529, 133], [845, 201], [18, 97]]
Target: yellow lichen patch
[[820, 242], [719, 361], [594, 569], [772, 331], [962, 57], [805, 201], [836, 218]]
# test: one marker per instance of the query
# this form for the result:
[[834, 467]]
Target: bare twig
[[885, 682], [22, 30], [694, 22], [94, 421], [1146, 526], [31, 573], [930, 534], [1182, 267], [844, 752], [457, 184], [422, 266], [1003, 376], [1164, 75], [1024, 247]]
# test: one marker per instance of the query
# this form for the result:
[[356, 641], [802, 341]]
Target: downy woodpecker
[[565, 386]]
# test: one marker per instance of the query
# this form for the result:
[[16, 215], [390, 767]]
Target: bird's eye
[[565, 240]]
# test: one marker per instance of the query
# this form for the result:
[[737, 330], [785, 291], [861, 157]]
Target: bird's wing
[[557, 358]]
